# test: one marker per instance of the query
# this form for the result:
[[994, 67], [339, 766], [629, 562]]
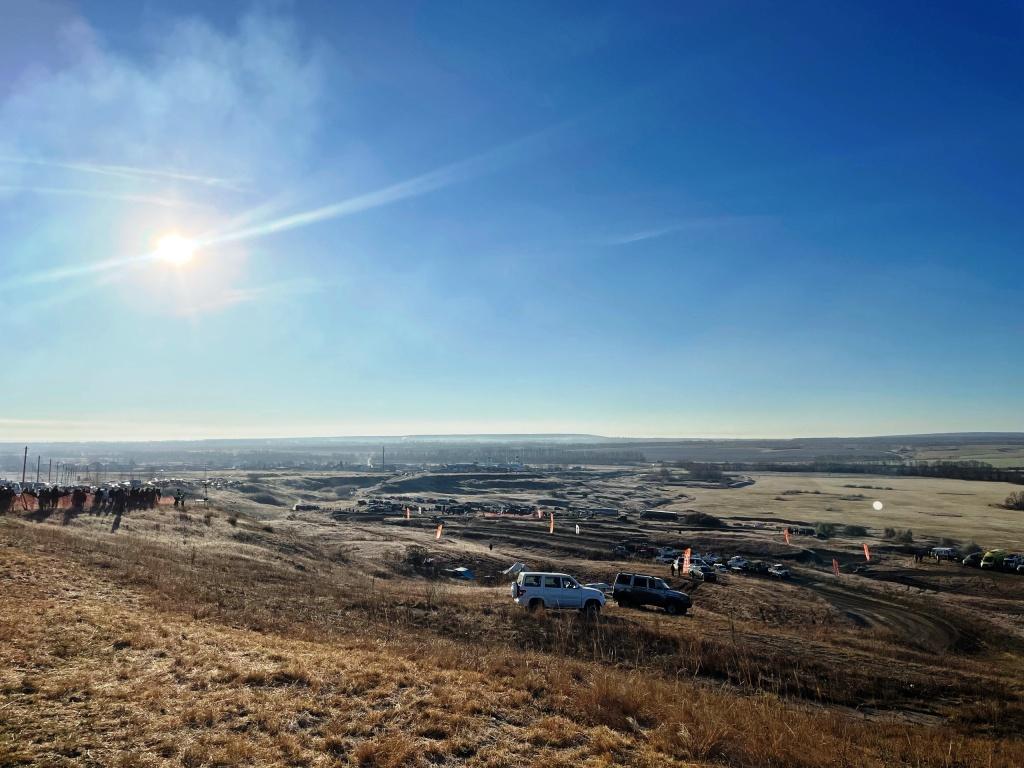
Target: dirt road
[[915, 626]]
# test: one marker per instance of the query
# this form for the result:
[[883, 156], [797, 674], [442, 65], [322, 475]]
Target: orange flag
[[686, 560], [835, 566], [440, 527], [785, 533], [551, 527], [867, 552]]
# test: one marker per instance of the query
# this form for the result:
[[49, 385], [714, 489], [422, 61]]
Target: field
[[242, 633]]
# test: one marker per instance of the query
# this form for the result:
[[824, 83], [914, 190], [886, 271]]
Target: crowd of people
[[118, 498]]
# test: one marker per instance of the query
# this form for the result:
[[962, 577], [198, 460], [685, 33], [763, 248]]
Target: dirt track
[[912, 625]]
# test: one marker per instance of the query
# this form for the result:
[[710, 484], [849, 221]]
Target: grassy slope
[[177, 644]]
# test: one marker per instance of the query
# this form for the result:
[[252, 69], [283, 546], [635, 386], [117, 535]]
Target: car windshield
[[658, 584]]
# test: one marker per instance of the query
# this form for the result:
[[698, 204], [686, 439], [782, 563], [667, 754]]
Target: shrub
[[897, 535], [1015, 500], [858, 531], [825, 530]]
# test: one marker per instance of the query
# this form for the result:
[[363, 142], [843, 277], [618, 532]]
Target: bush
[[825, 530], [1015, 500], [702, 519], [858, 531], [900, 536]]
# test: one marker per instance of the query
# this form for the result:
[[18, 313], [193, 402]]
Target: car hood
[[676, 594], [597, 594]]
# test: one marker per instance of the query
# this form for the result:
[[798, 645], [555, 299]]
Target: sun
[[176, 250]]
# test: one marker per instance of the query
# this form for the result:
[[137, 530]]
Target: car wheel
[[672, 609], [535, 605], [592, 609]]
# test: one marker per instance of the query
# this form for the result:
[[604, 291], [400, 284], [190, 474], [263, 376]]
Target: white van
[[533, 591]]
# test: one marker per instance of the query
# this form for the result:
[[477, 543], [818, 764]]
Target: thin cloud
[[414, 187], [432, 181], [126, 172], [700, 223], [282, 289], [97, 194]]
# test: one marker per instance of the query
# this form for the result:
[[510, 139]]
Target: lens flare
[[175, 250]]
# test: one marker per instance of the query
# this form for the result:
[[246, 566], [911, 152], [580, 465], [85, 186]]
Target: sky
[[657, 219]]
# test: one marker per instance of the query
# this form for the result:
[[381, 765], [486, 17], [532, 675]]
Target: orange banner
[[835, 566], [686, 560], [867, 552], [785, 533], [551, 527], [440, 527]]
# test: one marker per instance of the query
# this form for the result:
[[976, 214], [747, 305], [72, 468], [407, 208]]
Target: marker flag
[[835, 566], [867, 552], [577, 529], [539, 514], [785, 533], [551, 528], [419, 510], [440, 527], [686, 561], [407, 513]]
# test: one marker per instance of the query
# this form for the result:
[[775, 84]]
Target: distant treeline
[[955, 470]]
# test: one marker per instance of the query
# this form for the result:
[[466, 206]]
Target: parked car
[[993, 559], [972, 560], [636, 589], [665, 559], [1013, 562], [738, 563], [533, 590], [602, 586], [943, 553], [779, 571], [703, 573]]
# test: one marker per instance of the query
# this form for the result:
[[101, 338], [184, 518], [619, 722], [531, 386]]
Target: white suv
[[533, 590]]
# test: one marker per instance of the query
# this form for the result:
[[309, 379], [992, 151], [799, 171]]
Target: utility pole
[[382, 458], [39, 463], [49, 472], [24, 461]]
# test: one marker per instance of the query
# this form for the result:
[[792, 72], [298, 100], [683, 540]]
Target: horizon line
[[512, 436]]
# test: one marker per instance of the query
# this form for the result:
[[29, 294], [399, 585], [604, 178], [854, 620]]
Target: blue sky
[[668, 219]]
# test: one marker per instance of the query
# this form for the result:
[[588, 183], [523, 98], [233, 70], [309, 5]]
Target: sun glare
[[176, 250]]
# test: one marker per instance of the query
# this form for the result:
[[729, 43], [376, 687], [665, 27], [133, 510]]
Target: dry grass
[[188, 646]]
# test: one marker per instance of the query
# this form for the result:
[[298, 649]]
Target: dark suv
[[636, 589]]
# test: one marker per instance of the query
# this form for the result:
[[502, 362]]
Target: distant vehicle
[[993, 559], [637, 589], [972, 560], [1013, 562], [738, 563], [721, 568], [306, 508], [779, 571], [703, 573], [665, 559], [758, 566], [943, 553], [535, 591], [603, 586]]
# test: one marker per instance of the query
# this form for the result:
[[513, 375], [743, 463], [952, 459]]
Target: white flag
[[577, 529]]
